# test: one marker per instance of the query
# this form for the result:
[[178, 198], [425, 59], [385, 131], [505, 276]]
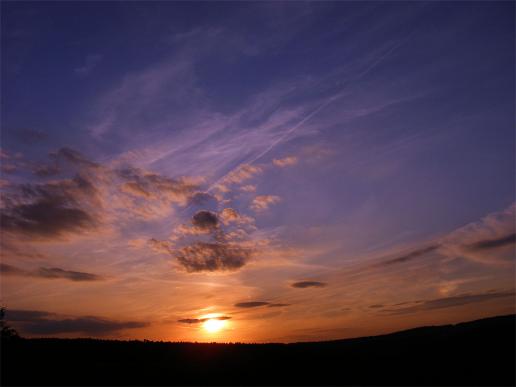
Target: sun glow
[[213, 325]]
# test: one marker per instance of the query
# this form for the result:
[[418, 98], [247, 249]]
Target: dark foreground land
[[480, 352]]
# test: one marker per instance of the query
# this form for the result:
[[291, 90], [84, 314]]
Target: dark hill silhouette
[[480, 352]]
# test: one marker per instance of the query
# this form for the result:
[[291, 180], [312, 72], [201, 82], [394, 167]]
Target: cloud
[[410, 256], [248, 188], [11, 270], [205, 220], [308, 284], [95, 197], [230, 215], [54, 272], [61, 158], [151, 186], [8, 168], [285, 162], [506, 240], [50, 210], [242, 173], [212, 257], [451, 302], [26, 315], [262, 202], [251, 304], [46, 323], [201, 320], [490, 240], [161, 246], [50, 273]]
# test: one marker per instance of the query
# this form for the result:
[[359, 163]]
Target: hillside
[[480, 352]]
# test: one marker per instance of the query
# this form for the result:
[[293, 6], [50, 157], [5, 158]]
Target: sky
[[255, 171]]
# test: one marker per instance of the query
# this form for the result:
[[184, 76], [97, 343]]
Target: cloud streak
[[251, 304], [308, 284], [46, 323], [451, 302], [201, 320], [50, 273]]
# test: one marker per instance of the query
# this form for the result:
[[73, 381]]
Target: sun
[[213, 325]]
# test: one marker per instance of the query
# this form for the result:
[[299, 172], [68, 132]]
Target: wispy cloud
[[490, 240], [451, 302], [49, 273], [507, 240], [410, 255]]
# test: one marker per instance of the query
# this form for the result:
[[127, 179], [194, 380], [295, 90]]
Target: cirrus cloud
[[263, 202]]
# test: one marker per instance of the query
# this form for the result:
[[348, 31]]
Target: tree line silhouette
[[477, 353]]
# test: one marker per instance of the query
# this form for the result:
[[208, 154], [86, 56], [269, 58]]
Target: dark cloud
[[277, 305], [376, 306], [49, 210], [450, 302], [202, 256], [201, 320], [410, 256], [26, 315], [251, 304], [51, 273], [54, 272], [308, 284], [205, 220], [493, 243], [45, 323], [85, 325], [190, 320], [11, 270]]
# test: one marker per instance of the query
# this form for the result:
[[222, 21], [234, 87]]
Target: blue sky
[[337, 133]]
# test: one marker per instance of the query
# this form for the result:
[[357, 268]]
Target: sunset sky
[[255, 171]]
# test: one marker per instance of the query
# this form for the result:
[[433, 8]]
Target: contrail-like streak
[[312, 114], [281, 138]]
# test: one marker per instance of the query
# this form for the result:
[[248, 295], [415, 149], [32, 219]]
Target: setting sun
[[213, 325]]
